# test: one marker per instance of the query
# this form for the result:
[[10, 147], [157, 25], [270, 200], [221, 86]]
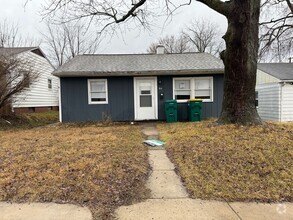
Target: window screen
[[182, 89], [203, 88]]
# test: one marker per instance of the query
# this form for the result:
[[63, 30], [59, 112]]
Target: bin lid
[[195, 100], [170, 101]]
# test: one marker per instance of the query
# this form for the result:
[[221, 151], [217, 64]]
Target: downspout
[[60, 103], [281, 100]]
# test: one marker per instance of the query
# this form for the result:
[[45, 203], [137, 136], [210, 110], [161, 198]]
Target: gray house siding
[[120, 107], [210, 109], [75, 107]]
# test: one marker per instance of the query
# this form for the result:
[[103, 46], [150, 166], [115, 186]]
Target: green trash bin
[[171, 110], [194, 109]]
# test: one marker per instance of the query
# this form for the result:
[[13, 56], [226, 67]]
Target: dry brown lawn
[[233, 163], [28, 120], [98, 166]]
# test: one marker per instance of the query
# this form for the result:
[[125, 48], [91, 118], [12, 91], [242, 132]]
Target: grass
[[233, 163], [28, 120], [99, 167]]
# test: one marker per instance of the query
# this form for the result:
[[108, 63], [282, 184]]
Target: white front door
[[145, 98]]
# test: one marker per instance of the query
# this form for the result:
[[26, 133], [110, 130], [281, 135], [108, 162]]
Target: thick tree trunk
[[240, 59]]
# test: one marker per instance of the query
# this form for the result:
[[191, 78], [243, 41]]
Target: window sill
[[186, 101], [98, 103]]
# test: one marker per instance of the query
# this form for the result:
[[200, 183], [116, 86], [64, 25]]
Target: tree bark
[[240, 60]]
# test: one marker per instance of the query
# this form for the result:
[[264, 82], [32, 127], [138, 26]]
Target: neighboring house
[[42, 94], [274, 89], [136, 86]]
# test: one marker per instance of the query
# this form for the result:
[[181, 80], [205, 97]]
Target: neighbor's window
[[196, 87], [256, 99], [49, 83], [26, 79], [97, 89], [182, 89], [203, 88]]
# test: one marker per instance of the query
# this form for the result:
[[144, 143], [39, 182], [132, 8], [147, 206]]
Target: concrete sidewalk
[[43, 211], [169, 199]]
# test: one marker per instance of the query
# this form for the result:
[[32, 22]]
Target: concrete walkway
[[169, 199], [43, 211]]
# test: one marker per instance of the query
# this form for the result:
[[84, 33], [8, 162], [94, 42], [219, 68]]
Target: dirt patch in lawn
[[100, 167], [233, 163], [28, 120]]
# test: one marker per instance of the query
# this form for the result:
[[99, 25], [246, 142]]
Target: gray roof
[[282, 71], [11, 51], [141, 64]]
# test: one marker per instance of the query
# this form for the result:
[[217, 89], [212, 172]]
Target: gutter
[[288, 81], [138, 73]]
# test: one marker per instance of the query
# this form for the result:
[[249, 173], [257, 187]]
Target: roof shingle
[[140, 64], [282, 71], [10, 51]]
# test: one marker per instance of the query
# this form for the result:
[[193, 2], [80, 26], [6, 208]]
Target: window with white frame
[[196, 87], [182, 89], [203, 88], [97, 91]]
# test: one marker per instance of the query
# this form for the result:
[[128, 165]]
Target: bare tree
[[65, 41], [204, 36], [16, 76], [241, 38], [276, 31], [199, 36], [10, 36], [171, 44]]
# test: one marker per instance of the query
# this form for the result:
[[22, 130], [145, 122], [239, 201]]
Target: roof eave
[[287, 80], [138, 73]]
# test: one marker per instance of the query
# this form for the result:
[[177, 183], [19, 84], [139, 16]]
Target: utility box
[[171, 110], [194, 109]]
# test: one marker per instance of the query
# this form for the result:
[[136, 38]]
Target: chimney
[[160, 49]]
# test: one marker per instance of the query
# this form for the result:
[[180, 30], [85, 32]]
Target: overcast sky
[[133, 41]]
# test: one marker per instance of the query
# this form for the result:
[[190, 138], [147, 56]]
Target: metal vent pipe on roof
[[160, 49]]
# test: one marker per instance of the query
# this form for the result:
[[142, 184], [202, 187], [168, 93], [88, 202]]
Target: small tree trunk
[[5, 109], [240, 59]]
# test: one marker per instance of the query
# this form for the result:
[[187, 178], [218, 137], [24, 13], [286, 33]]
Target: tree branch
[[217, 5], [130, 13], [277, 20], [290, 5]]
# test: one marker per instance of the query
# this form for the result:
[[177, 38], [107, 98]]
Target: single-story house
[[41, 94], [274, 90], [128, 87]]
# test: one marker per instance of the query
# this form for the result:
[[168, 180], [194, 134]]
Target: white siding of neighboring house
[[287, 103], [269, 98], [262, 77], [38, 94]]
